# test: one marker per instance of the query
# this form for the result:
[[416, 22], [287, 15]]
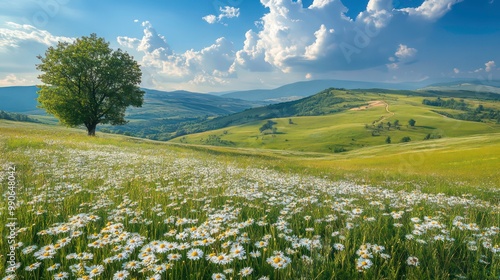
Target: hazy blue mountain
[[157, 104], [307, 88], [492, 86], [21, 99]]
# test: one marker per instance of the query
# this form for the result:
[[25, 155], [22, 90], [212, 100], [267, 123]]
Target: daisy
[[95, 270], [237, 251], [132, 265], [357, 211], [363, 264], [174, 257], [53, 267], [339, 247], [218, 276], [246, 271], [61, 275], [29, 249], [261, 244], [195, 254], [32, 266], [412, 261], [255, 254], [279, 260]]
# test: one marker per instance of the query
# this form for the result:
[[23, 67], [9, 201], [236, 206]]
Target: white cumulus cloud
[[15, 34], [378, 13], [490, 66], [225, 12], [210, 65], [405, 53], [432, 9]]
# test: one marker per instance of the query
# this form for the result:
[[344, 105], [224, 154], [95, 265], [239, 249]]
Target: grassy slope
[[347, 129], [467, 164]]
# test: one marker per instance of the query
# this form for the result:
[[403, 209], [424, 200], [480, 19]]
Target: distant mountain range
[[168, 114], [303, 89], [467, 85], [178, 104]]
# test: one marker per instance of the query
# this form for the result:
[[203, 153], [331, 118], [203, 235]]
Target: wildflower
[[121, 275], [174, 257], [261, 244], [29, 249], [246, 271], [218, 276], [237, 251], [363, 264], [339, 247], [63, 242], [32, 266], [95, 270], [357, 211], [412, 261], [377, 248], [61, 276], [160, 268], [415, 220], [279, 260], [195, 254], [132, 265], [255, 254], [54, 267], [9, 277], [385, 256], [13, 268]]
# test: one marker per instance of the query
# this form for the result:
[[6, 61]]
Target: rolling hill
[[160, 115], [303, 89], [340, 120]]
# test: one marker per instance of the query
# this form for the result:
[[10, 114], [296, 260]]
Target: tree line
[[16, 117]]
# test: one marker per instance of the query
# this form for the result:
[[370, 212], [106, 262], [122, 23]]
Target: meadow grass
[[113, 207], [347, 129]]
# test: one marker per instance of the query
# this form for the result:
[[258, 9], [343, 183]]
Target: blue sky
[[222, 45]]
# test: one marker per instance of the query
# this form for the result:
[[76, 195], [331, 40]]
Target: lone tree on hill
[[88, 83], [412, 122]]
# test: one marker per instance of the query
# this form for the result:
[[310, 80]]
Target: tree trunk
[[91, 129]]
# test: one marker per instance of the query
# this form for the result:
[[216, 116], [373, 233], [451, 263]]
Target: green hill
[[160, 116], [336, 121]]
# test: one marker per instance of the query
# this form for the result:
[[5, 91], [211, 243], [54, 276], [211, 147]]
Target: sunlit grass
[[347, 129], [99, 206]]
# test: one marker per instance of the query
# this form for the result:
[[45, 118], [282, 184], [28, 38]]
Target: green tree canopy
[[412, 122], [88, 83]]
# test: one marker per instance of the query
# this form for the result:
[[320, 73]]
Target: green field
[[127, 208], [348, 129]]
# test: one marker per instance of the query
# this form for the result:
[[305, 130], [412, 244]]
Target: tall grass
[[112, 207]]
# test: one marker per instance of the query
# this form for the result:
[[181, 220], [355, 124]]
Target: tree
[[388, 140], [406, 139], [88, 83], [412, 122], [267, 126]]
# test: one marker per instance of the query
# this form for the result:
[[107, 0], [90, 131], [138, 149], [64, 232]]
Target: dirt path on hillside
[[370, 104], [376, 104]]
